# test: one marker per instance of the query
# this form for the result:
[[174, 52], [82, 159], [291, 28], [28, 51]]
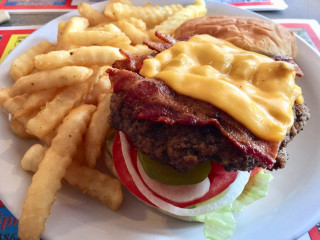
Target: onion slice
[[231, 193], [180, 194]]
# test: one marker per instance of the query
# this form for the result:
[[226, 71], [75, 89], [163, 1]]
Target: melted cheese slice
[[254, 89]]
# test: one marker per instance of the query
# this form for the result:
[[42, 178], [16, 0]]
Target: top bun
[[252, 34]]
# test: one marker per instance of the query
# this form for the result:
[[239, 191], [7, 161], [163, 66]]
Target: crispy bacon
[[153, 100], [157, 46], [168, 41], [132, 62]]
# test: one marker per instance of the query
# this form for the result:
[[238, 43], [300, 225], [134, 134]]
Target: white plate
[[291, 208]]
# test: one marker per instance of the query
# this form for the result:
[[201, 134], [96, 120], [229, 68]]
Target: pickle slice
[[168, 175]]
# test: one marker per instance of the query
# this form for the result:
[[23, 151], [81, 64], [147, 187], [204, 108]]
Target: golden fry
[[98, 38], [151, 15], [50, 79], [196, 9], [136, 35], [96, 184], [103, 86], [97, 131], [138, 23], [83, 56], [47, 139], [35, 101], [64, 28], [47, 180], [108, 9], [52, 114], [138, 49], [94, 17], [4, 95], [12, 105], [19, 129], [24, 64], [89, 181], [110, 27], [32, 157]]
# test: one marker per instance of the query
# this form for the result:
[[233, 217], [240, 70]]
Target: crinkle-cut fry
[[97, 71], [137, 49], [46, 181], [50, 79], [24, 64], [52, 114], [136, 35], [24, 119], [110, 27], [98, 38], [36, 100], [75, 24], [19, 129], [96, 184], [138, 23], [47, 139], [14, 104], [108, 8], [196, 9], [4, 95], [97, 130], [103, 86], [83, 56], [80, 156], [94, 17], [92, 182], [32, 157], [151, 15]]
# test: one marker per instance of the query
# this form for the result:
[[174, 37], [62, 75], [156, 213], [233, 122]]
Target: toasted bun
[[252, 34]]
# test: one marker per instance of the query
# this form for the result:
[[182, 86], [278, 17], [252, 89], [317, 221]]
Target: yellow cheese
[[254, 89]]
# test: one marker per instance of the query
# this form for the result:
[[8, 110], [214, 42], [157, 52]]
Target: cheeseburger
[[198, 123]]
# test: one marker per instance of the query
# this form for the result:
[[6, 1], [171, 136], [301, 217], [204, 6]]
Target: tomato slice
[[219, 178]]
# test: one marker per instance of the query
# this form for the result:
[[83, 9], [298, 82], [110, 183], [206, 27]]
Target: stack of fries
[[61, 96]]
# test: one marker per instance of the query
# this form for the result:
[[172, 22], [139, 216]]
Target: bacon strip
[[153, 100], [132, 62]]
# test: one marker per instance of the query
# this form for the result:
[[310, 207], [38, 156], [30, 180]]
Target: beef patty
[[183, 146]]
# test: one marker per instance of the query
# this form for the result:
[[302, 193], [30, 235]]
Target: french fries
[[47, 180], [11, 105], [61, 95], [4, 95], [97, 131], [24, 64], [50, 79], [73, 25], [152, 15], [94, 17], [108, 11], [51, 115], [35, 100], [89, 181], [135, 34], [197, 9], [83, 56], [99, 38], [19, 129]]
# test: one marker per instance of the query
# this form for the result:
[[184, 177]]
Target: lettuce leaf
[[220, 225], [256, 188]]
